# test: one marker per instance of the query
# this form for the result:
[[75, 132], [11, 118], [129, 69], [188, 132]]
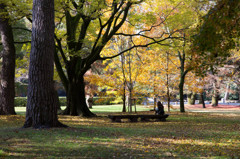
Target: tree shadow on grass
[[67, 143], [107, 143]]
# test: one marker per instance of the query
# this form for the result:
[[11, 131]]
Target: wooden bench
[[134, 118]]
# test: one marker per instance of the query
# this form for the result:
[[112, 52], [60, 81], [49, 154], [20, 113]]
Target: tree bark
[[7, 75], [215, 95], [181, 86], [191, 98], [42, 103], [76, 101], [226, 93], [202, 99], [124, 96], [77, 24], [215, 99]]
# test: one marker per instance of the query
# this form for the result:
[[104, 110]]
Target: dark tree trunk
[[76, 101], [77, 25], [202, 99], [42, 103], [183, 74], [181, 85], [7, 86], [124, 96]]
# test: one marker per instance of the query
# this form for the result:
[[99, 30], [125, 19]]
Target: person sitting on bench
[[159, 109]]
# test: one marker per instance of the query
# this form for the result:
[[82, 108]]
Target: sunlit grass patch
[[183, 135]]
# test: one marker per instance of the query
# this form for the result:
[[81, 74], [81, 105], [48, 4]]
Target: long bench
[[134, 118]]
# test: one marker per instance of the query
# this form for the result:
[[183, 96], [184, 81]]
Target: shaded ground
[[184, 136]]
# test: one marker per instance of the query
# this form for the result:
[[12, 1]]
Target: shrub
[[103, 100], [20, 101], [63, 101]]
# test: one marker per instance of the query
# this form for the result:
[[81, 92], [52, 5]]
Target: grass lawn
[[184, 135]]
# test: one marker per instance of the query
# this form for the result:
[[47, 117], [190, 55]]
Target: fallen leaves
[[183, 135]]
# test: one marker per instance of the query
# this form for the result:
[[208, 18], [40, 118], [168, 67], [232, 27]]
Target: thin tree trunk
[[124, 96], [124, 81], [202, 99], [168, 91], [7, 74], [226, 93], [181, 95], [189, 95], [183, 73], [42, 103], [191, 98], [215, 95], [215, 99], [130, 87]]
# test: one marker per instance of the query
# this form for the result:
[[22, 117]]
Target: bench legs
[[161, 119], [144, 119], [115, 119]]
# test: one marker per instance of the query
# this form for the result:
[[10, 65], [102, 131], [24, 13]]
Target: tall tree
[[42, 104], [7, 92], [218, 33], [90, 25]]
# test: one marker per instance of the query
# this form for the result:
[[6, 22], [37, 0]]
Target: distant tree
[[42, 103], [7, 90]]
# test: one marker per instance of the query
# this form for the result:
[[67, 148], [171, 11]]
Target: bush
[[20, 101], [63, 101], [103, 100]]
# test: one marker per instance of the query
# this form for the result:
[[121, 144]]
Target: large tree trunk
[[42, 103], [76, 101], [7, 87]]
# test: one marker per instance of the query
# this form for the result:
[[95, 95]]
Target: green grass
[[96, 109], [184, 135]]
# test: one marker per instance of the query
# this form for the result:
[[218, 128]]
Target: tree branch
[[60, 70], [60, 49], [135, 46]]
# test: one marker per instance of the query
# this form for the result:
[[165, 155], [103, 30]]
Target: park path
[[221, 108]]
